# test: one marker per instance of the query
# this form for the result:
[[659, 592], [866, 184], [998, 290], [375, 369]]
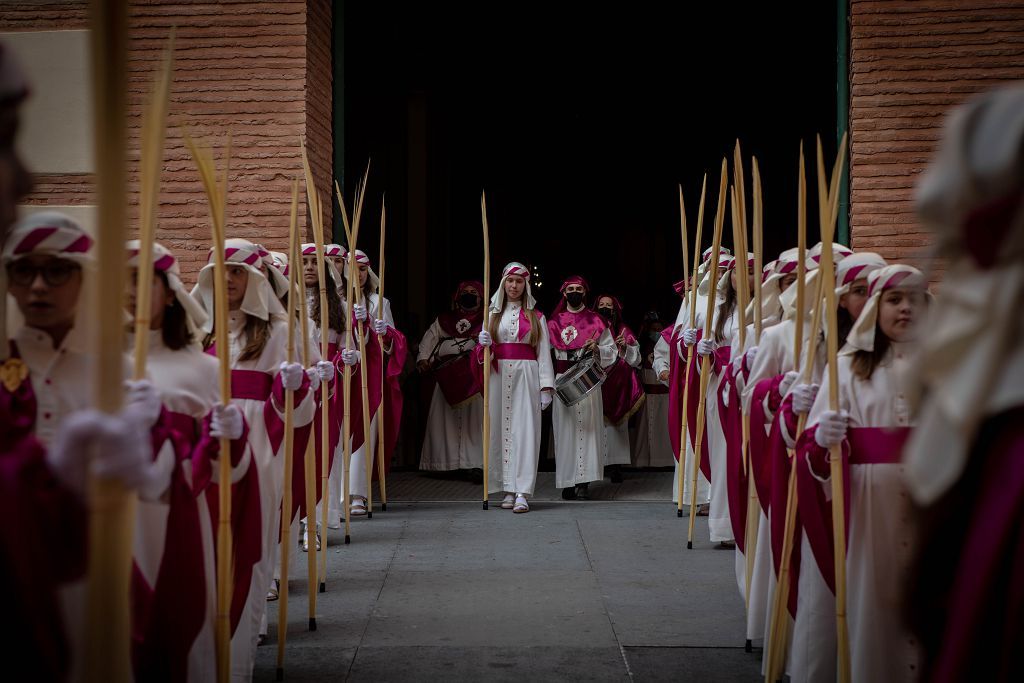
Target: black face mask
[[575, 299], [605, 313], [468, 301]]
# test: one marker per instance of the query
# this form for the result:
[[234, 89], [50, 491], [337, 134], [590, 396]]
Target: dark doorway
[[579, 124]]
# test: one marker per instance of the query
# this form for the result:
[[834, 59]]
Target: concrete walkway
[[593, 591]]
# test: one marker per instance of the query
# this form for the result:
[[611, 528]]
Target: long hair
[[335, 318], [531, 315], [257, 334], [175, 332], [725, 311], [844, 323], [864, 363]]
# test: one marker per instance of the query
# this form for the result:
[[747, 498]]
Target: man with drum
[[583, 346], [454, 438]]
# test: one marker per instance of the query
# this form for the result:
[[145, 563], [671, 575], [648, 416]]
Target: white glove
[[359, 310], [380, 326], [349, 357], [803, 398], [787, 381], [119, 443], [831, 428], [706, 347], [142, 398], [545, 399], [484, 338], [291, 375], [226, 422], [689, 336], [323, 371]]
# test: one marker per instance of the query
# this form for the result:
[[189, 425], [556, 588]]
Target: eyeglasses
[[55, 272]]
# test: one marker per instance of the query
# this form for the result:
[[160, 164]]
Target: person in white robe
[[873, 411], [628, 397], [454, 436], [521, 381]]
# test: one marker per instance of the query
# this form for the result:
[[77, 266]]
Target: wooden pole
[[683, 437], [111, 505], [347, 375], [289, 434], [368, 445], [309, 460], [753, 520], [487, 349], [216, 194], [705, 362], [381, 469], [317, 222]]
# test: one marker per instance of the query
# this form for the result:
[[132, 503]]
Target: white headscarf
[[896, 276], [971, 362], [498, 299], [164, 262], [259, 301], [309, 249], [363, 259], [788, 298], [277, 277]]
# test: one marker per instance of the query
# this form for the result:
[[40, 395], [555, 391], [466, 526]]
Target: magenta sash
[[514, 351], [251, 385], [736, 481], [877, 446]]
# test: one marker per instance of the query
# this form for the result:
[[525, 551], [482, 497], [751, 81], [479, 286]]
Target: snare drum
[[459, 384], [580, 381]]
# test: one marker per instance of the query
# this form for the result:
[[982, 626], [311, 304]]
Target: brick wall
[[911, 61], [260, 70]]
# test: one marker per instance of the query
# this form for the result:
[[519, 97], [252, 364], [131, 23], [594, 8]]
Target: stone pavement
[[595, 591]]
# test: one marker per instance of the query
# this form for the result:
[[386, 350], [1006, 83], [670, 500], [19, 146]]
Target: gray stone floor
[[595, 591]]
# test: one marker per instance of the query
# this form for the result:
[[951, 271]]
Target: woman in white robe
[[521, 381], [874, 409]]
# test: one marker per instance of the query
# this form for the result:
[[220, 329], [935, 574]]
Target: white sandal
[[358, 507], [508, 501], [521, 504]]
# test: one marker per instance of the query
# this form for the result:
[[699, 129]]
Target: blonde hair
[[531, 315]]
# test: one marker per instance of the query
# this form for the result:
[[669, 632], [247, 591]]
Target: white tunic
[[616, 437], [880, 530], [719, 525], [515, 408], [661, 364], [357, 481], [454, 437], [578, 431], [650, 443], [188, 383], [270, 467]]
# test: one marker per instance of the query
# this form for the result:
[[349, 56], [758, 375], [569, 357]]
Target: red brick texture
[[912, 60], [259, 71]]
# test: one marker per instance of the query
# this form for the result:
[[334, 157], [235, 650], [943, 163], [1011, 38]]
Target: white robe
[[358, 485], [719, 525], [270, 467], [661, 364], [578, 431], [616, 437], [650, 443], [880, 529], [515, 408], [454, 437], [188, 383]]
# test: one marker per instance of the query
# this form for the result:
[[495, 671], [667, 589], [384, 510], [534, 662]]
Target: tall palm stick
[[487, 349], [289, 434], [368, 445], [216, 194], [309, 461], [111, 505], [381, 469], [316, 217], [347, 375], [838, 492], [705, 362], [692, 294]]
